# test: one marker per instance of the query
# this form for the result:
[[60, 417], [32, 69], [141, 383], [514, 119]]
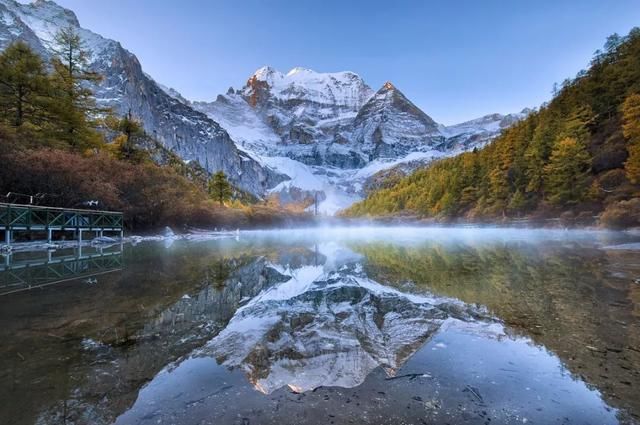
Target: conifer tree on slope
[[219, 187], [567, 173], [631, 131], [24, 86], [74, 103]]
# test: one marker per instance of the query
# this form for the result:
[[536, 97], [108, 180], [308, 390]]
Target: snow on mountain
[[125, 87], [329, 324], [331, 134], [343, 89], [172, 92], [241, 121], [303, 135], [389, 125], [478, 132], [307, 109]]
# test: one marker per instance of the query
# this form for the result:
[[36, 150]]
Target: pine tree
[[518, 202], [75, 105], [631, 131], [577, 123], [219, 187], [567, 173], [537, 153], [130, 128], [23, 86]]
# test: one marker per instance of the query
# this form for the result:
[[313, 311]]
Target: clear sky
[[456, 60]]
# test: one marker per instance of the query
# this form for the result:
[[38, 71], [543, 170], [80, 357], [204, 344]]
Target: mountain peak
[[47, 10], [390, 126], [265, 73], [388, 86], [342, 89], [526, 111], [300, 70]]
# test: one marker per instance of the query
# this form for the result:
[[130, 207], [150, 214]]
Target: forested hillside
[[58, 146], [577, 157]]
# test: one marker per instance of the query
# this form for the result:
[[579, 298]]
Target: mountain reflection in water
[[328, 325], [444, 325]]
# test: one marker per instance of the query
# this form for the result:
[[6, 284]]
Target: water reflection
[[28, 270], [379, 328], [328, 325], [576, 299]]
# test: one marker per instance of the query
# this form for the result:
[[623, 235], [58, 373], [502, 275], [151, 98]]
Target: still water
[[326, 326]]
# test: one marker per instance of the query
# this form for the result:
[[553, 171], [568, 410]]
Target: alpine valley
[[303, 136]]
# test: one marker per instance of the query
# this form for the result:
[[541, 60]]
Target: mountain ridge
[[341, 146], [323, 133], [125, 87], [575, 160]]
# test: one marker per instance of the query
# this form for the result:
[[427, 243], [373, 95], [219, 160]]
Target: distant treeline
[[56, 142], [576, 157]]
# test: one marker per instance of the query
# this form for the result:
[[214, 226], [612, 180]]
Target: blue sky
[[456, 60]]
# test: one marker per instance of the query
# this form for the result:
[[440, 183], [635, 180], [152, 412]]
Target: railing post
[[28, 217]]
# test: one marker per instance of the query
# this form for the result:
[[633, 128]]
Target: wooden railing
[[16, 216]]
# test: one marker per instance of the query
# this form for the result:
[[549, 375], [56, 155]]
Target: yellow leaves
[[631, 118], [631, 131], [632, 165], [567, 171], [115, 148]]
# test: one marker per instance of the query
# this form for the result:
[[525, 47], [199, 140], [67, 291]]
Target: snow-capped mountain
[[330, 133], [303, 135], [341, 89], [328, 324], [308, 110], [478, 132], [248, 129], [175, 124], [390, 126]]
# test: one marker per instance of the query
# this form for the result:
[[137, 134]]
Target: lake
[[326, 326]]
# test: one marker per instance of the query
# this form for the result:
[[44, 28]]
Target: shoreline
[[533, 223], [167, 234]]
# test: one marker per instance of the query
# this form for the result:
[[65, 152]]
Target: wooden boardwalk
[[31, 218]]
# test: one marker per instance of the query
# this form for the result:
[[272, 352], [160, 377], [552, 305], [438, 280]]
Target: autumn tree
[[567, 173], [219, 187], [631, 131], [517, 202], [538, 151], [577, 123], [546, 156], [75, 106], [24, 86], [128, 129]]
